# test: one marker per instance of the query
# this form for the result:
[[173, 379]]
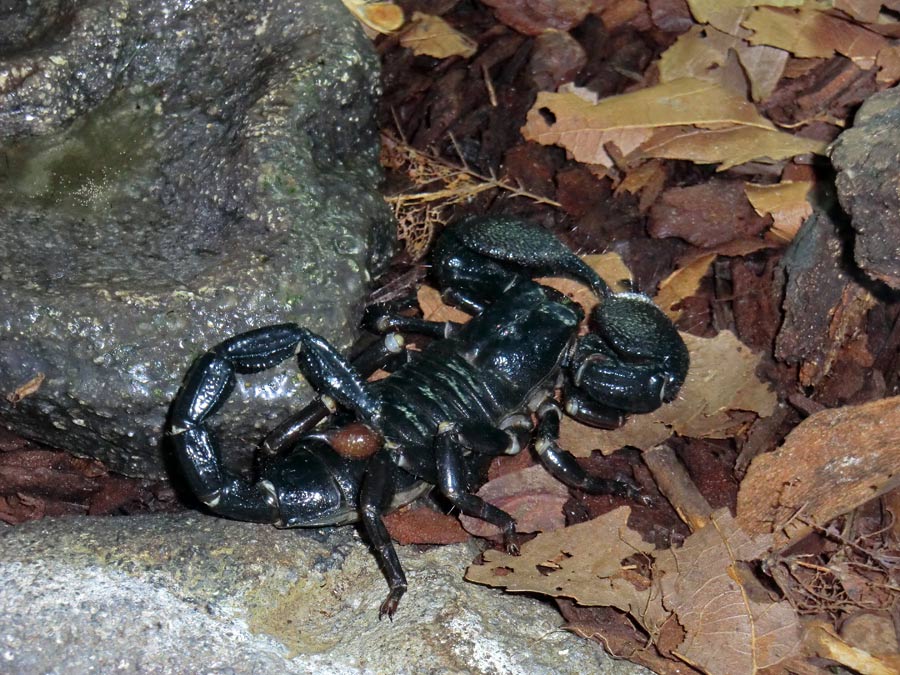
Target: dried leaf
[[627, 120], [728, 147], [432, 36], [727, 15], [609, 266], [682, 283], [832, 462], [810, 33], [532, 496], [434, 309], [646, 179], [703, 51], [26, 389], [423, 525], [381, 17], [721, 378], [786, 202], [727, 630], [586, 562]]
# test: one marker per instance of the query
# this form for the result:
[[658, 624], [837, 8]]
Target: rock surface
[[867, 157], [173, 172], [192, 593]]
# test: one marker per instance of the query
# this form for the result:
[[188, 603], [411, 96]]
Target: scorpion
[[478, 390]]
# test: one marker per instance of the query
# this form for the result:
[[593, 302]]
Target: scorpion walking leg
[[587, 411], [374, 499], [562, 465], [453, 481]]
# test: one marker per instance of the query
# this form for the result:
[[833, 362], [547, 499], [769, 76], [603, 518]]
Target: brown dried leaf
[[422, 525], [609, 266], [646, 179], [810, 33], [832, 462], [26, 389], [432, 36], [727, 15], [381, 17], [532, 496], [728, 631], [573, 563], [627, 120], [786, 202], [682, 283], [728, 147], [721, 379], [434, 309], [532, 17], [703, 51]]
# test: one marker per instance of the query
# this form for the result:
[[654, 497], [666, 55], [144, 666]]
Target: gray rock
[[173, 172], [190, 593], [867, 159]]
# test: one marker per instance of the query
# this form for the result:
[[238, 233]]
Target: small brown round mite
[[354, 441]]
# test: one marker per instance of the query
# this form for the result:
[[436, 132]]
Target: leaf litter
[[589, 131]]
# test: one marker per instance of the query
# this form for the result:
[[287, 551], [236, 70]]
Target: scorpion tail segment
[[260, 349], [453, 480], [375, 497], [223, 493], [563, 466], [526, 246]]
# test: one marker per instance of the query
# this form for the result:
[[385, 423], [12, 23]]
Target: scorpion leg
[[587, 411], [384, 321], [286, 434], [453, 481], [478, 259], [374, 499], [562, 465]]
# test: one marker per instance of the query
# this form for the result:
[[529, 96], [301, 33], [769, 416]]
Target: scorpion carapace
[[479, 389]]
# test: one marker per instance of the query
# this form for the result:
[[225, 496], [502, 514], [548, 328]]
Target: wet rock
[[172, 173], [867, 158], [191, 593]]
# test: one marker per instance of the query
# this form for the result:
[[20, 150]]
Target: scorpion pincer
[[477, 390]]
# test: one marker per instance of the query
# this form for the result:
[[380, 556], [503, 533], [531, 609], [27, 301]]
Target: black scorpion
[[470, 394]]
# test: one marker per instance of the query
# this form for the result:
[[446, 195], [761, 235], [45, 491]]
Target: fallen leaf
[[423, 525], [682, 283], [727, 630], [704, 50], [727, 15], [728, 147], [533, 17], [721, 378], [26, 389], [831, 463], [609, 266], [434, 309], [810, 33], [627, 120], [532, 496], [381, 17], [432, 36], [646, 179], [587, 562], [786, 202]]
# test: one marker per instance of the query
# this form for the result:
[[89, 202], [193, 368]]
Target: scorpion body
[[472, 393]]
